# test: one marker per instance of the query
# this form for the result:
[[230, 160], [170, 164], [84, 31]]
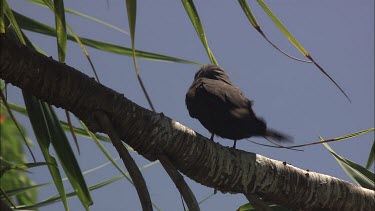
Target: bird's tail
[[277, 136]]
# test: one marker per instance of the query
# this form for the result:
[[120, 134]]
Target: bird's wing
[[239, 106], [218, 94]]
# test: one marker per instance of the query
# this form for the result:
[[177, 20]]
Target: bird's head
[[214, 72]]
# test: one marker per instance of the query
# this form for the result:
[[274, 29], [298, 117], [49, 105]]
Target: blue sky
[[293, 97]]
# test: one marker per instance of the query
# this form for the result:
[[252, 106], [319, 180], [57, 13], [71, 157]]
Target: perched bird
[[222, 108]]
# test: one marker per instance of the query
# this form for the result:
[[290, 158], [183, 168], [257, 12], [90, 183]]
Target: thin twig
[[300, 145], [318, 142], [281, 146], [277, 48], [276, 145], [330, 78]]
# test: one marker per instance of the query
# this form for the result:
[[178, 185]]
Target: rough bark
[[151, 134]]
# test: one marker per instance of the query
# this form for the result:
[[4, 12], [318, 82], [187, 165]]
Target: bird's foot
[[234, 144], [212, 136]]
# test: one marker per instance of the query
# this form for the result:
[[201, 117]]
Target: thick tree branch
[[152, 134]]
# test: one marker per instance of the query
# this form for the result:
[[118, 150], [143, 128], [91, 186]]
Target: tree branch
[[131, 166], [180, 183], [152, 134]]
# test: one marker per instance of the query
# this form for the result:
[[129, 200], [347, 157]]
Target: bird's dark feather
[[222, 108]]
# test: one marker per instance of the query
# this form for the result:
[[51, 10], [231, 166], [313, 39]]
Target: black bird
[[222, 108]]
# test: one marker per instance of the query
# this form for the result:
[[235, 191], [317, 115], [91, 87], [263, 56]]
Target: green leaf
[[55, 199], [64, 125], [20, 190], [9, 112], [61, 35], [17, 191], [9, 13], [66, 156], [248, 13], [352, 135], [74, 12], [357, 173], [274, 207], [246, 207], [83, 132], [15, 107], [195, 20], [131, 7], [47, 128], [35, 26], [2, 17], [23, 166], [340, 138], [12, 153], [294, 41], [41, 131], [96, 20], [282, 28], [128, 52], [60, 28], [371, 156]]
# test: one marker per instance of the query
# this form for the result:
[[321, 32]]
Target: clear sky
[[293, 97]]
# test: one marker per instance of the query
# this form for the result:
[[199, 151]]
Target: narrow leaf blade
[[357, 173], [60, 28], [66, 156], [131, 7], [371, 156], [41, 132], [9, 13], [74, 12], [38, 27], [195, 20], [249, 14], [294, 41], [282, 28], [2, 16]]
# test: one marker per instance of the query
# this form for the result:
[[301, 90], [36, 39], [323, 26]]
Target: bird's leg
[[212, 139], [234, 145], [212, 136]]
